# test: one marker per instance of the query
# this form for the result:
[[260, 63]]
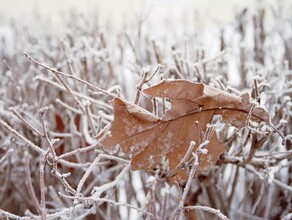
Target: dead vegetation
[[55, 100]]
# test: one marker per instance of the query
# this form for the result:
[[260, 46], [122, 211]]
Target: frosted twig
[[42, 113], [206, 61], [68, 75], [29, 186], [38, 149], [42, 184], [113, 88], [111, 202], [145, 79], [8, 153], [154, 73], [90, 119], [90, 168], [165, 203], [21, 137], [9, 215], [62, 178], [91, 100], [70, 91], [196, 156], [207, 209], [65, 105], [187, 188], [283, 185], [98, 190], [188, 153], [25, 121], [78, 151], [56, 198], [258, 199], [140, 85], [152, 200]]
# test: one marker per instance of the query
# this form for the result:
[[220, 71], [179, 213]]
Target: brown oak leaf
[[148, 138]]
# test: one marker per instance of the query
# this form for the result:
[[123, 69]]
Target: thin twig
[[29, 186], [42, 184], [8, 153], [187, 188], [89, 170], [26, 122], [180, 164], [90, 119], [21, 137], [68, 75], [42, 113], [91, 100], [111, 202], [207, 209], [140, 85]]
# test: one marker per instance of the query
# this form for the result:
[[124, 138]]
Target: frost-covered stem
[[153, 199], [70, 91], [65, 105], [187, 187], [100, 189], [111, 202], [91, 167], [62, 178], [140, 85], [55, 197], [156, 52], [258, 198], [62, 88], [154, 104], [9, 215], [154, 73], [283, 185], [68, 75], [188, 153], [42, 184], [256, 89], [233, 186], [206, 61], [128, 38], [249, 158], [109, 61], [26, 122], [8, 153], [36, 148], [21, 137], [78, 151], [165, 203], [90, 119], [86, 174], [68, 61], [207, 209], [42, 113], [84, 63], [29, 185]]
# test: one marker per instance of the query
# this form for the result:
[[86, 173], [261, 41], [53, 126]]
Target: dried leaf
[[149, 139]]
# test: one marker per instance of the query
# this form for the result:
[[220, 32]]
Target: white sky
[[114, 10]]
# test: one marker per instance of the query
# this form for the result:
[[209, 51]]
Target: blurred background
[[118, 13]]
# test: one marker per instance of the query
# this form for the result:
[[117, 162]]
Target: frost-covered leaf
[[149, 139]]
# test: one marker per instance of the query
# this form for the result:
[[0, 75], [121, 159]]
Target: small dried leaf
[[148, 138]]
